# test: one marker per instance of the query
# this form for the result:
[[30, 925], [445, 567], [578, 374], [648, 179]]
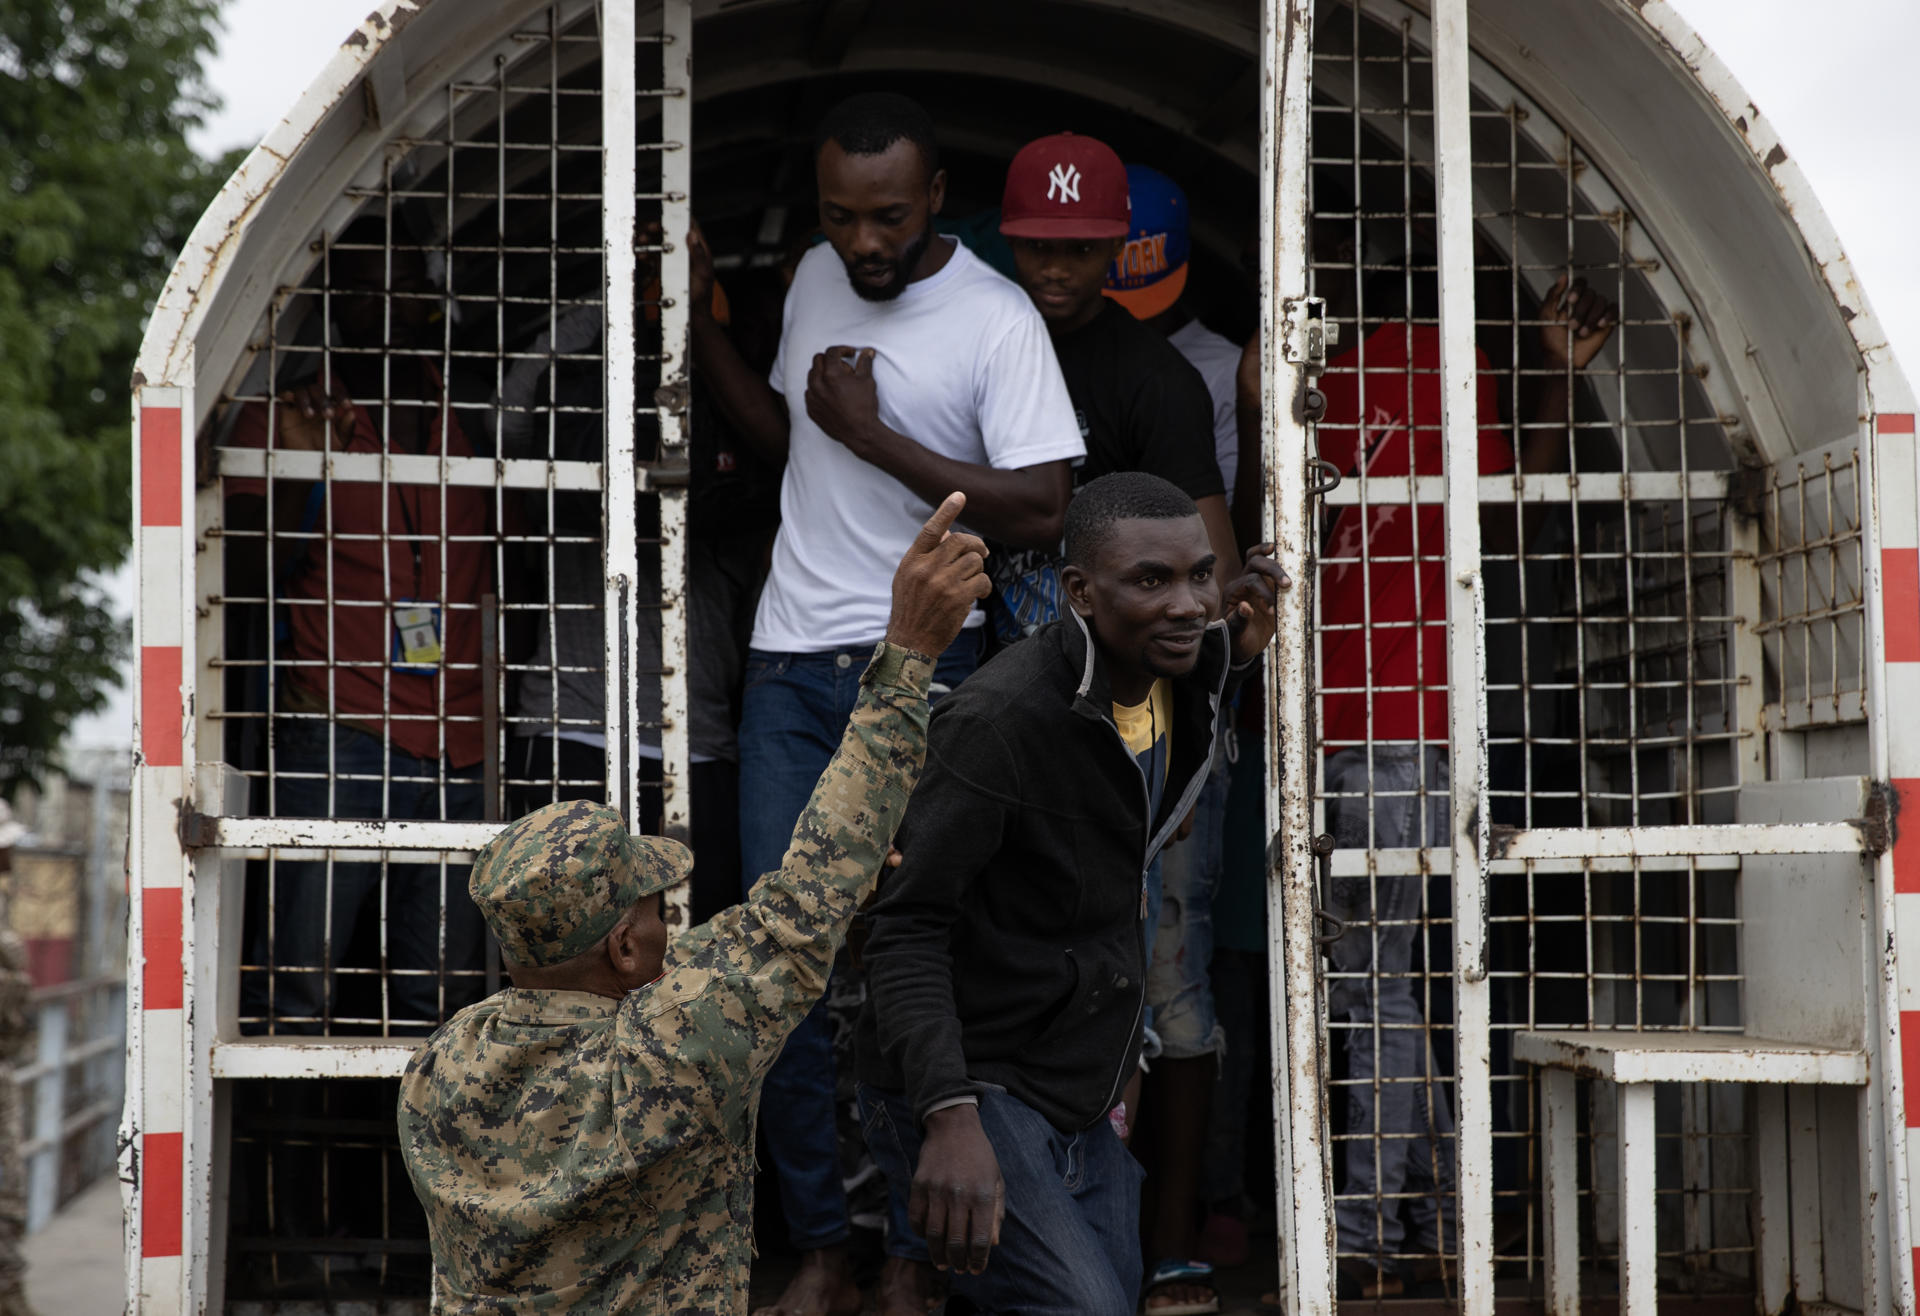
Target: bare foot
[[823, 1286], [906, 1288]]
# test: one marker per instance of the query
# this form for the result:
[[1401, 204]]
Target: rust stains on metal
[[1776, 156], [1880, 829], [674, 395], [197, 830]]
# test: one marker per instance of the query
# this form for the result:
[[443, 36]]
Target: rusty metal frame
[[191, 831], [1466, 655], [1303, 1171], [1699, 843]]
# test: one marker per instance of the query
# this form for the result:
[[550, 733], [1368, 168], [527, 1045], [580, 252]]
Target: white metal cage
[[1660, 610]]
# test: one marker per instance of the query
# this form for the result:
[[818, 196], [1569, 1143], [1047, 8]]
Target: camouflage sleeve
[[775, 949]]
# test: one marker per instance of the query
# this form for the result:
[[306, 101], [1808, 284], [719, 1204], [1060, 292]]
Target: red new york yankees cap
[[1065, 186]]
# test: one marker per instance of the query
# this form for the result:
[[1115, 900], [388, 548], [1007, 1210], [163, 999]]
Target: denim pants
[[1179, 990], [314, 915], [1070, 1243], [1399, 1151], [793, 714]]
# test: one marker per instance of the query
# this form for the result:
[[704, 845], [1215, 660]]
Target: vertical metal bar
[[1466, 651], [674, 400], [1772, 1241], [1559, 1115], [549, 619], [1803, 1207], [618, 87], [492, 679], [49, 1108], [1638, 1255], [1303, 1182], [1884, 1133], [1746, 648]]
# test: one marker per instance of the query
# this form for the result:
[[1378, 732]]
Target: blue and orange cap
[[1151, 271]]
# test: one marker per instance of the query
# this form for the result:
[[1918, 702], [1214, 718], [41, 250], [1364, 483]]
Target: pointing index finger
[[940, 522]]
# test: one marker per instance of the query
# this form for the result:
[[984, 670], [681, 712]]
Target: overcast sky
[[1836, 90]]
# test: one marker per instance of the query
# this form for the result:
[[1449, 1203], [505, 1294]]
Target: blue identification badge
[[416, 638]]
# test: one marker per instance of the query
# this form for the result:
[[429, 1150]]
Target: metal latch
[[1307, 332], [1323, 847]]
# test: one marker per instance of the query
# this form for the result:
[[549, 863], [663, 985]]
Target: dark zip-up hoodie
[[1008, 947]]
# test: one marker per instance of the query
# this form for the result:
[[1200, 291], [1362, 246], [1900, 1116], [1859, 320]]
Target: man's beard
[[902, 270]]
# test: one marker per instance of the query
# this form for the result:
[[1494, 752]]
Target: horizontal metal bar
[[77, 1053], [313, 1057], [1676, 1056], [413, 468], [1407, 863], [61, 991], [1821, 710], [331, 834], [462, 472], [79, 1122], [1678, 842], [1610, 486]]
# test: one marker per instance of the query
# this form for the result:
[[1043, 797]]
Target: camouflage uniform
[[577, 1152]]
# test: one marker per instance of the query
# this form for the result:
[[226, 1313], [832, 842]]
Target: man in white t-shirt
[[907, 368]]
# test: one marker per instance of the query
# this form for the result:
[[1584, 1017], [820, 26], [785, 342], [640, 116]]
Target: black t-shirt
[[1141, 405]]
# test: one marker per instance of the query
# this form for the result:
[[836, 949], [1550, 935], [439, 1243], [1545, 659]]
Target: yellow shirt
[[1144, 726]]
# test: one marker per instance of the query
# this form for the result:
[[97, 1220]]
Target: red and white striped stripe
[[157, 1026], [1898, 474]]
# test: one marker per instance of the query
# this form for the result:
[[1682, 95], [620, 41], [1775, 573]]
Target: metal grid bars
[[1646, 946], [321, 1211], [435, 481], [1602, 483], [360, 943], [1595, 617], [1813, 603]]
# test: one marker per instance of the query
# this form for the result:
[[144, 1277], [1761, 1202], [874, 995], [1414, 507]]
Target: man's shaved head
[[1122, 496]]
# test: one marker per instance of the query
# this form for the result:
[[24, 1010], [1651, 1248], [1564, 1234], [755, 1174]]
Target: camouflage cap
[[555, 882]]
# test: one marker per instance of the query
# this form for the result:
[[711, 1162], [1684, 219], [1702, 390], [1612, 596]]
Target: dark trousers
[[332, 770], [1070, 1243], [794, 713]]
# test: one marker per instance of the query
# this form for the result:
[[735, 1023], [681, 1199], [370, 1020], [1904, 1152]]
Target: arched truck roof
[[1790, 329]]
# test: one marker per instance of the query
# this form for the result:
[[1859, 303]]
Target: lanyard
[[413, 538], [406, 513]]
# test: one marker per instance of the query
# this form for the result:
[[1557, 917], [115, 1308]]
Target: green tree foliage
[[98, 191]]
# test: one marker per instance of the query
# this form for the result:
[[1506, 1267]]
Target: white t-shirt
[[963, 366], [1218, 362]]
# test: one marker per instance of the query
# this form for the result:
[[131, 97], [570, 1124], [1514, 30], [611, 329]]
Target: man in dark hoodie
[[1006, 960]]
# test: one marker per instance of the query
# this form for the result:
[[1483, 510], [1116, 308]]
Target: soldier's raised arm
[[778, 946]]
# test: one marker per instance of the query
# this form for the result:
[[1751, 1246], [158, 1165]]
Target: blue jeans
[[1070, 1243], [314, 912], [1179, 991], [792, 717], [1399, 1151]]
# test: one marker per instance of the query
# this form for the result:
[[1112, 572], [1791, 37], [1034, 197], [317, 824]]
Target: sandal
[[1171, 1272]]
